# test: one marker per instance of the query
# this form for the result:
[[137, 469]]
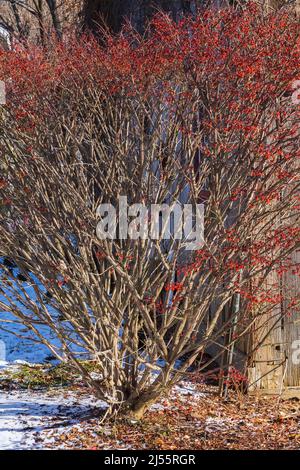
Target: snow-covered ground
[[26, 417], [29, 418]]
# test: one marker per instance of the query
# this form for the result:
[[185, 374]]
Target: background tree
[[113, 13], [36, 19]]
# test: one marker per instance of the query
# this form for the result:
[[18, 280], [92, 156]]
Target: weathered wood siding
[[291, 331]]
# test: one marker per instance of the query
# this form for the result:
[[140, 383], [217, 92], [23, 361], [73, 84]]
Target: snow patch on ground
[[4, 365], [187, 389], [25, 416]]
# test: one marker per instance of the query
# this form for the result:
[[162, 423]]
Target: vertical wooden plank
[[291, 290]]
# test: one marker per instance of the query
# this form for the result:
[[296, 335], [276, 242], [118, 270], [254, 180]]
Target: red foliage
[[244, 61], [228, 47]]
